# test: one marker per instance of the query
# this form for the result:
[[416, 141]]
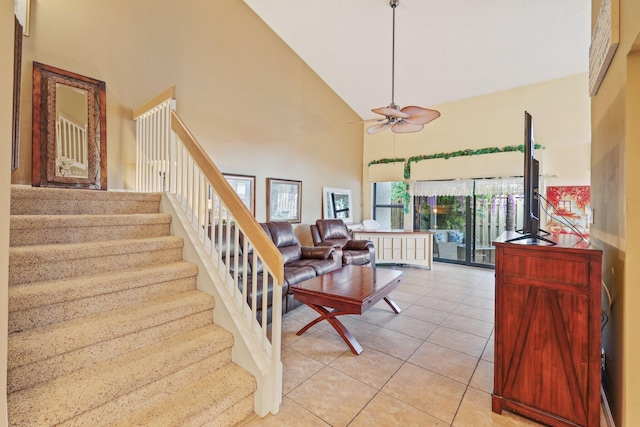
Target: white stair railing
[[169, 159], [71, 147]]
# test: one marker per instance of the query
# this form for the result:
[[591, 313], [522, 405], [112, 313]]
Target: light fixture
[[408, 119]]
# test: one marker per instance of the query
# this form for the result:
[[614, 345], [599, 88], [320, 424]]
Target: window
[[388, 204], [465, 225]]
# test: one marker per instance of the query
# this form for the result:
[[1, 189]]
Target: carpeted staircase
[[106, 326]]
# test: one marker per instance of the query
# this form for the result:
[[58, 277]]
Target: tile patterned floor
[[430, 365]]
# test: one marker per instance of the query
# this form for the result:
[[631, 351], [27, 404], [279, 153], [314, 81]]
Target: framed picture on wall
[[573, 204], [244, 186], [337, 204], [284, 200]]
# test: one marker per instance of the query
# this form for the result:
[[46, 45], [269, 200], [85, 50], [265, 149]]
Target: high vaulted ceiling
[[446, 50]]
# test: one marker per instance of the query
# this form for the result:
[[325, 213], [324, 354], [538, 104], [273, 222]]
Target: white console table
[[400, 247]]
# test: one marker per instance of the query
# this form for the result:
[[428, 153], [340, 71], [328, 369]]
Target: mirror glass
[[71, 132], [337, 204], [69, 129]]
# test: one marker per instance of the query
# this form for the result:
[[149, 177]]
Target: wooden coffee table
[[349, 290]]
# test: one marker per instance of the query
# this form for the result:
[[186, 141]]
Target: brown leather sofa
[[334, 232], [300, 263]]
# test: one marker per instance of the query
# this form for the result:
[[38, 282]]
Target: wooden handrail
[[270, 255], [156, 100]]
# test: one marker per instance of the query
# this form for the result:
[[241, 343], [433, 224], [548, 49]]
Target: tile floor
[[430, 365]]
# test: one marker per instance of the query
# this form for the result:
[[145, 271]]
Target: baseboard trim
[[608, 417]]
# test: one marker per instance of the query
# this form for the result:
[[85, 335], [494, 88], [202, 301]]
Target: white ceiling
[[446, 50]]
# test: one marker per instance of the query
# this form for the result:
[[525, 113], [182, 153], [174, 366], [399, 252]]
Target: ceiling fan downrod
[[400, 120], [393, 4]]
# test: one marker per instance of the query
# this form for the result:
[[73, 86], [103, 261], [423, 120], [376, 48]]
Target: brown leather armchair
[[334, 232]]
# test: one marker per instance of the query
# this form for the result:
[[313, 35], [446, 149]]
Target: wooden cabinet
[[400, 247], [547, 331]]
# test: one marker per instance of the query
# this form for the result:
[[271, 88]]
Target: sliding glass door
[[493, 215], [465, 227], [446, 216]]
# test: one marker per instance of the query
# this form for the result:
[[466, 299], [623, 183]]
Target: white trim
[[608, 416]]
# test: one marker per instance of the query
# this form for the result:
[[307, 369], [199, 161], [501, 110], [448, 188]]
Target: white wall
[[6, 107], [254, 105]]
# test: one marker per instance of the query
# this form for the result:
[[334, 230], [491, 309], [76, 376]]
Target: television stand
[[547, 331], [533, 237]]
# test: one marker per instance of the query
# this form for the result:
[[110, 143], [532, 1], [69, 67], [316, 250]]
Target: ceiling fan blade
[[404, 127], [419, 115], [381, 119], [378, 128], [387, 111]]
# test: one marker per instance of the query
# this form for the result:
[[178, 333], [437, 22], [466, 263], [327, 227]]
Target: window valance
[[468, 187], [500, 186], [442, 188]]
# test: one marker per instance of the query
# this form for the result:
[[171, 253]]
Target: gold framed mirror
[[69, 134]]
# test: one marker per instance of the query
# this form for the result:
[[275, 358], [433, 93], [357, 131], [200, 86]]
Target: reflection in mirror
[[69, 129], [337, 204], [71, 132]]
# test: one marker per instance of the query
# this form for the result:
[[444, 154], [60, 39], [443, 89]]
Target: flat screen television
[[531, 206]]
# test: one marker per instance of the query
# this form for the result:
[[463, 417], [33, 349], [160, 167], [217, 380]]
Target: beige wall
[[615, 171], [560, 110], [254, 105], [6, 103]]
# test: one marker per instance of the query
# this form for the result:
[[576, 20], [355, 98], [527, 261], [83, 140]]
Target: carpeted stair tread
[[73, 394], [64, 252], [53, 229], [28, 264], [212, 397], [38, 304], [106, 324], [27, 200], [40, 371], [25, 296], [41, 343], [108, 413]]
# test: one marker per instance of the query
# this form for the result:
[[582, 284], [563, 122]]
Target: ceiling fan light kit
[[400, 120]]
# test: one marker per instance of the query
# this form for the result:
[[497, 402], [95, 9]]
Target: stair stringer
[[245, 352]]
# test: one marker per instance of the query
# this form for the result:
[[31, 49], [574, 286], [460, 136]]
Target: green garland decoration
[[384, 161], [459, 153]]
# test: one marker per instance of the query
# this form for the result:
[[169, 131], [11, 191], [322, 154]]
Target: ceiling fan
[[400, 120]]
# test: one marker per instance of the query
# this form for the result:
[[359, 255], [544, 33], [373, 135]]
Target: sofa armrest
[[317, 252], [358, 245], [335, 245]]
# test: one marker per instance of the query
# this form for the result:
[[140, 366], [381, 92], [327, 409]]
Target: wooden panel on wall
[[400, 247]]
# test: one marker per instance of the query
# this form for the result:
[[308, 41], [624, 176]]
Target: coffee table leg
[[330, 316], [392, 304]]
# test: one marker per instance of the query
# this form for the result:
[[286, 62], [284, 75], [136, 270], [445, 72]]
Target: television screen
[[531, 206]]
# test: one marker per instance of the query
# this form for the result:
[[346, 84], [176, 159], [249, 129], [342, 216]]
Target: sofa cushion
[[317, 252], [258, 268], [330, 229], [298, 273], [285, 289], [319, 266], [282, 234], [455, 236], [290, 254], [358, 245], [357, 257], [220, 240], [285, 240]]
